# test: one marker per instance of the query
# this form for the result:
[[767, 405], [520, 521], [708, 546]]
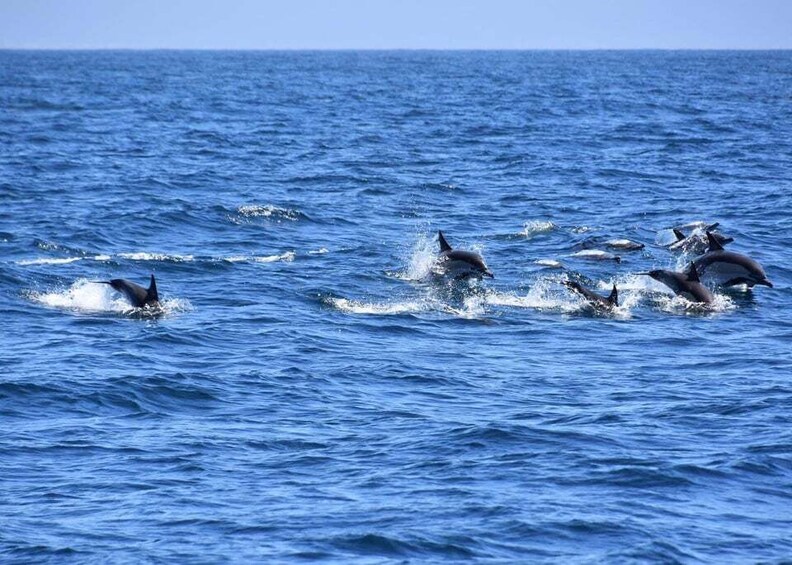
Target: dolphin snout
[[489, 274], [765, 282]]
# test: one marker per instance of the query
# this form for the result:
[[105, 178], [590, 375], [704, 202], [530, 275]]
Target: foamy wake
[[144, 256], [91, 297]]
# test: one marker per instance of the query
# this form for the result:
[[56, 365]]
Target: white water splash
[[380, 308], [91, 297], [421, 260], [269, 211], [534, 227], [544, 294], [85, 296]]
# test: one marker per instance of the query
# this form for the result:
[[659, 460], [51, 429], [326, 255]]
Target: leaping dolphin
[[597, 301], [687, 285], [138, 296], [727, 268], [696, 242], [460, 264]]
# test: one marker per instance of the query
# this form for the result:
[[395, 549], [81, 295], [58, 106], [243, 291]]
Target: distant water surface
[[311, 392]]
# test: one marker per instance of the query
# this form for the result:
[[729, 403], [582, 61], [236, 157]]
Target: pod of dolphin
[[723, 268]]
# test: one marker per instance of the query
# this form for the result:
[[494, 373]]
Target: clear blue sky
[[401, 24]]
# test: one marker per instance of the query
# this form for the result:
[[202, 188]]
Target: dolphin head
[[478, 263], [660, 275]]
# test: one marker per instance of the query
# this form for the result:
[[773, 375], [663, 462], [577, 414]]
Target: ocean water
[[310, 391]]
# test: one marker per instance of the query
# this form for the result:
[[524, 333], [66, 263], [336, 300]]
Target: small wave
[[58, 261], [144, 256], [535, 227], [271, 212], [320, 251], [61, 260], [287, 257]]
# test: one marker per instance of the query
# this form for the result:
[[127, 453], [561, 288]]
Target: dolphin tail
[[614, 296], [151, 293], [714, 244], [443, 243]]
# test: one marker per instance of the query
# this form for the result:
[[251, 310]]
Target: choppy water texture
[[309, 391]]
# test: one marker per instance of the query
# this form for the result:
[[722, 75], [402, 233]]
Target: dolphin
[[596, 255], [729, 268], [597, 301], [626, 244], [696, 242], [138, 296], [458, 263], [687, 285]]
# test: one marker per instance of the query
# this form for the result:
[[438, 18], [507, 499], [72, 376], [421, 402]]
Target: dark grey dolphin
[[460, 263], [697, 242], [686, 285], [138, 296], [593, 298], [727, 268]]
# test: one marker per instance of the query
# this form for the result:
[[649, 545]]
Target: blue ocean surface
[[310, 389]]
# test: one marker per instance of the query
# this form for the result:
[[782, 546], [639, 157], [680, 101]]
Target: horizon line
[[381, 49]]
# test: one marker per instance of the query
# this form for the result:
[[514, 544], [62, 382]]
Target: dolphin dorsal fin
[[714, 244], [693, 275], [614, 296], [151, 293], [443, 243], [679, 235]]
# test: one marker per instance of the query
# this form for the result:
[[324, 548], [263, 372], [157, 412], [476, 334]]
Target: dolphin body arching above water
[[727, 268], [458, 263], [686, 285], [597, 301], [138, 296]]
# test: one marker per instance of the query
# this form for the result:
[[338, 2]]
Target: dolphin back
[[136, 294]]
